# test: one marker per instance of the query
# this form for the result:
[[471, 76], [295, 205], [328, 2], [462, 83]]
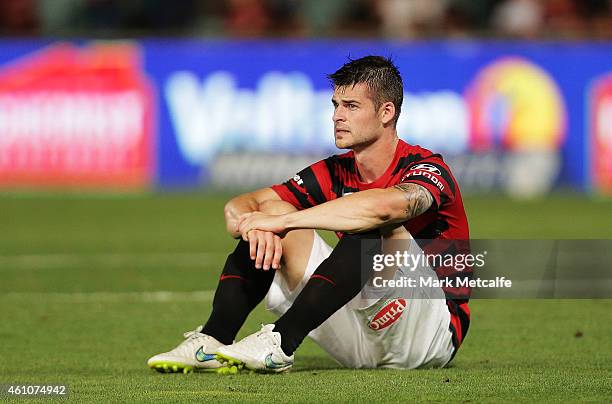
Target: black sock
[[241, 287], [335, 282]]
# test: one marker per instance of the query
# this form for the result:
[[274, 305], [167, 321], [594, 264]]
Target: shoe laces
[[197, 332], [192, 338], [266, 334]]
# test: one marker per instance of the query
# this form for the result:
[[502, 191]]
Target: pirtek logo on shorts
[[388, 315]]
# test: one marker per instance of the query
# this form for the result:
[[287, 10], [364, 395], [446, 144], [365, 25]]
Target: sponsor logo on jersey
[[427, 167], [427, 174], [298, 179], [388, 315]]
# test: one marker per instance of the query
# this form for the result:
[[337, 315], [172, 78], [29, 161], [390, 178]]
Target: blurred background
[[109, 95], [402, 19]]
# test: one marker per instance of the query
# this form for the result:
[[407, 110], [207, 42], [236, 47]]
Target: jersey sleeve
[[308, 188], [435, 176]]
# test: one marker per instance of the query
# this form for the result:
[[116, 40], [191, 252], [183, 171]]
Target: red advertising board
[[601, 135], [76, 117]]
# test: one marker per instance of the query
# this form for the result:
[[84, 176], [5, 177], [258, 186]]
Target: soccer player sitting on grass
[[382, 189]]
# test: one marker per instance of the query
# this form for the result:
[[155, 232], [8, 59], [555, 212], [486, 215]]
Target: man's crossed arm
[[361, 211], [355, 213], [244, 204]]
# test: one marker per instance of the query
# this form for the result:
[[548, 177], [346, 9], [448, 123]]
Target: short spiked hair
[[380, 75]]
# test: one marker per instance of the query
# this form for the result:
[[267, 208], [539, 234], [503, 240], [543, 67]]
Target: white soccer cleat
[[196, 353], [260, 351]]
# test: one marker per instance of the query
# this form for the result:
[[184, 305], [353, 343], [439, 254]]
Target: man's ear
[[387, 112]]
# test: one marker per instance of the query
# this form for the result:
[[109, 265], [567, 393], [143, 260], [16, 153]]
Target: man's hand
[[265, 248], [262, 221], [263, 232]]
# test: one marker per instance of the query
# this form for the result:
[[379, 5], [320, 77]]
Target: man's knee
[[274, 207]]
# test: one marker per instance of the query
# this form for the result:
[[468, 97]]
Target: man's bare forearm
[[365, 210]]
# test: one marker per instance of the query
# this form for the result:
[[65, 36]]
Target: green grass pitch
[[92, 286]]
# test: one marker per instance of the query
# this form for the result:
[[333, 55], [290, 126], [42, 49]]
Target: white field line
[[55, 261], [160, 296]]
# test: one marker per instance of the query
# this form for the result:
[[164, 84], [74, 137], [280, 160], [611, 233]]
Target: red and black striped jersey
[[338, 175]]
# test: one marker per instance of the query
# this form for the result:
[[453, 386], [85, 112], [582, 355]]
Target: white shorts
[[414, 333]]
